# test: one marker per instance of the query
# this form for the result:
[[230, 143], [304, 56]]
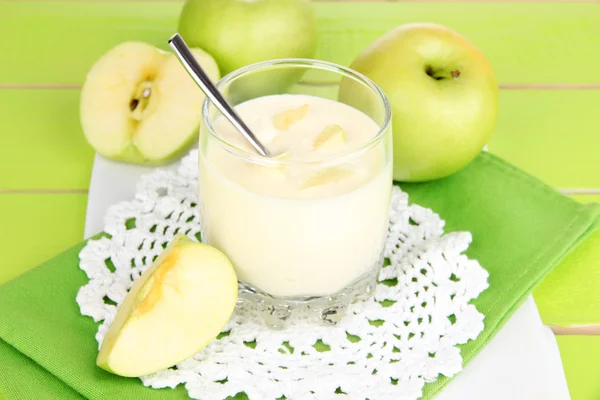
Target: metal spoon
[[197, 73]]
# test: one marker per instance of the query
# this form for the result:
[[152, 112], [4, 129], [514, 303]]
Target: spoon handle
[[197, 73]]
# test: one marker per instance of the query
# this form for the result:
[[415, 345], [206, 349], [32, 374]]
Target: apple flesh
[[241, 32], [443, 93], [176, 308], [138, 104]]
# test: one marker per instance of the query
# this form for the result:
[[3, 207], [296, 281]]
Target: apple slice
[[176, 308], [287, 118], [139, 105], [326, 176], [330, 136]]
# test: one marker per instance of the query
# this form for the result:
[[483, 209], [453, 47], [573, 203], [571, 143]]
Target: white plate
[[522, 362]]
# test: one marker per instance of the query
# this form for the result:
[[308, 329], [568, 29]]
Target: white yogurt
[[295, 229]]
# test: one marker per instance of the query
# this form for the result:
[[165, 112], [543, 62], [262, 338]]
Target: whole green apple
[[443, 93], [242, 32]]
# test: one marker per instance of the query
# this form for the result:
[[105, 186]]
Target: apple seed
[[133, 104], [138, 104]]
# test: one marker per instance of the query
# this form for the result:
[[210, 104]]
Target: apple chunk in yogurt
[[310, 220]]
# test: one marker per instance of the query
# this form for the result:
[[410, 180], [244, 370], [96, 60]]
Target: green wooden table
[[546, 56]]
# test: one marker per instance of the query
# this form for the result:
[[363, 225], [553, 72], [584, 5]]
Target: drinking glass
[[317, 250]]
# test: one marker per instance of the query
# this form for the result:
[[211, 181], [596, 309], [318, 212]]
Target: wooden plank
[[553, 135], [527, 43], [59, 41], [35, 228], [580, 355], [586, 198], [569, 296], [568, 299], [41, 142]]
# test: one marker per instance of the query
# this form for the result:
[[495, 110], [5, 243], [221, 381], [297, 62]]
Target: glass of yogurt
[[305, 227]]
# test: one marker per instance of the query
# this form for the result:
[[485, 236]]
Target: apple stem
[[441, 74]]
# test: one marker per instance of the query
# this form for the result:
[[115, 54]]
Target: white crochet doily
[[385, 348]]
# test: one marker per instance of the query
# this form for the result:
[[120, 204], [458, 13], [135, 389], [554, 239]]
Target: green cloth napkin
[[521, 229]]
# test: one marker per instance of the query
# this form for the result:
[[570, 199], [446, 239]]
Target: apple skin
[[132, 155], [443, 93], [241, 32]]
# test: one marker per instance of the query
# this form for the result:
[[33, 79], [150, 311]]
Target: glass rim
[[254, 157]]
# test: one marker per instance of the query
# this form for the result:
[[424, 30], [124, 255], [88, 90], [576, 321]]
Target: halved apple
[[139, 105], [176, 308]]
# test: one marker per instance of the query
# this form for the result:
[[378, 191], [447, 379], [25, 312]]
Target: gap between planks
[[328, 1], [579, 191], [579, 330], [523, 86], [44, 191]]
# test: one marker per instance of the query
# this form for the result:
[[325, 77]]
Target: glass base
[[328, 309]]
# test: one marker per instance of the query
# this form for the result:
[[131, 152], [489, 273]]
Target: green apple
[[178, 306], [443, 93], [242, 32], [139, 105]]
